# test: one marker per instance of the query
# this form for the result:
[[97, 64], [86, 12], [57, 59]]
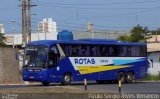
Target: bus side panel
[[90, 76], [67, 67], [105, 75], [141, 69], [56, 73], [138, 68]]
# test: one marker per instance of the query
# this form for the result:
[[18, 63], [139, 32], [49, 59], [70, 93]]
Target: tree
[[156, 32], [138, 34], [124, 38], [2, 40]]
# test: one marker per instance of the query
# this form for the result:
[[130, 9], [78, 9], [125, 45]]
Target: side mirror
[[44, 57], [150, 63]]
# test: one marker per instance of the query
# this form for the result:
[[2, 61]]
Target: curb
[[149, 81], [24, 83]]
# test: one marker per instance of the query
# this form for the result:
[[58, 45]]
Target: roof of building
[[153, 47], [154, 38]]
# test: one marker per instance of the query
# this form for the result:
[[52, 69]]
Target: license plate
[[31, 77]]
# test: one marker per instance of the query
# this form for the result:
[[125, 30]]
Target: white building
[[1, 28], [154, 57], [153, 47], [16, 39], [47, 30], [47, 26]]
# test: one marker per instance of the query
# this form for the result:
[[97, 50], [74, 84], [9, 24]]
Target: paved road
[[137, 87], [65, 92]]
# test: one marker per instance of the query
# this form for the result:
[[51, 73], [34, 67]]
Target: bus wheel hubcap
[[67, 78]]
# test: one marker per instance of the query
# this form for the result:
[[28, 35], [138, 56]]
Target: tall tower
[[90, 27], [1, 28], [47, 26]]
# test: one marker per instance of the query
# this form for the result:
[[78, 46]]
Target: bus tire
[[67, 79], [45, 83], [130, 77], [121, 77]]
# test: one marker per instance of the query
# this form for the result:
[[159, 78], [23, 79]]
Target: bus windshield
[[33, 56]]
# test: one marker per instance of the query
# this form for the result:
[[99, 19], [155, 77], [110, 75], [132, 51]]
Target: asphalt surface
[[76, 91], [136, 87]]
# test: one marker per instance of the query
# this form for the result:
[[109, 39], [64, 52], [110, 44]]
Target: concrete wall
[[9, 70], [98, 35], [155, 68]]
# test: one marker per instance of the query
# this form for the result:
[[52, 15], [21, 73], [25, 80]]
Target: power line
[[117, 15], [93, 8], [120, 3]]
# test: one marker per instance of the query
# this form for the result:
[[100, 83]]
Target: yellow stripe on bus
[[94, 69]]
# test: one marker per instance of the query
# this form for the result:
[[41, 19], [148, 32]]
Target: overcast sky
[[74, 14]]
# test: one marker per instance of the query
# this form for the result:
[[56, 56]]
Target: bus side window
[[88, 51], [52, 60], [54, 50], [83, 50], [129, 51], [114, 51], [98, 51], [142, 51], [123, 51], [93, 50], [103, 50], [111, 51], [79, 50], [53, 56], [65, 48], [73, 50], [135, 51]]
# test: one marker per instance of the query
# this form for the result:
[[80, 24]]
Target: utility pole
[[156, 36], [29, 21], [13, 31], [24, 24]]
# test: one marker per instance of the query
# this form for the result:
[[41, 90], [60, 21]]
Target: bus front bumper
[[40, 76]]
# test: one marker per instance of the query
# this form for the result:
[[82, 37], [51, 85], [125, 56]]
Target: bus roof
[[83, 41]]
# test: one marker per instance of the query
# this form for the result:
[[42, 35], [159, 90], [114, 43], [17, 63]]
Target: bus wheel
[[121, 76], [45, 83], [130, 77], [66, 79]]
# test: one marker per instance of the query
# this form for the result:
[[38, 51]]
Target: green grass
[[152, 77]]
